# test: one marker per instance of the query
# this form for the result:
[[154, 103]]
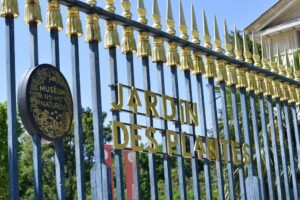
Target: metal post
[[36, 138], [58, 145], [180, 160], [133, 120], [11, 110], [213, 106], [266, 146], [203, 129], [291, 150], [274, 146], [227, 137], [257, 143], [78, 133], [195, 170], [164, 126], [296, 130]]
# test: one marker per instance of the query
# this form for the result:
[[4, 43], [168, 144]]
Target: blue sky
[[239, 13]]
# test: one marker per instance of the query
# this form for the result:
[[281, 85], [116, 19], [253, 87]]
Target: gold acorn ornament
[[9, 8], [128, 40], [73, 25], [111, 32], [158, 52], [54, 18], [230, 68], [172, 54], [186, 59], [221, 71], [32, 12], [143, 47], [197, 55], [210, 67]]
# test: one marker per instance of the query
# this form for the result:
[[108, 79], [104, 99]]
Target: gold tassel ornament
[[54, 18], [92, 28], [9, 8], [276, 89], [292, 94], [285, 95], [74, 26], [259, 84], [143, 47], [111, 32], [241, 77], [128, 40], [251, 81], [268, 88], [32, 12]]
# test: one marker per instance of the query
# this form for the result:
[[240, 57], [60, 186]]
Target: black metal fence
[[258, 99]]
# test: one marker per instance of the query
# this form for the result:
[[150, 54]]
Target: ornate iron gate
[[260, 83]]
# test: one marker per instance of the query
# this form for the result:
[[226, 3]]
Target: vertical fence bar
[[116, 117], [164, 126], [93, 39], [74, 30], [282, 148], [296, 130], [11, 109], [291, 150], [58, 145], [274, 146]]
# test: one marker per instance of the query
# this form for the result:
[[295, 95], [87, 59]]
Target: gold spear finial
[[32, 12], [289, 69], [228, 45], [237, 46], [172, 54], [272, 62], [128, 40], [9, 8], [54, 18], [185, 60], [247, 53], [296, 63], [91, 2], [264, 59], [197, 55], [221, 70], [143, 47], [206, 35], [280, 65], [92, 28], [256, 56], [111, 32], [158, 52], [73, 24]]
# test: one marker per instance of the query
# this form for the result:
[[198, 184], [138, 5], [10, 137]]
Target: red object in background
[[128, 172], [108, 162]]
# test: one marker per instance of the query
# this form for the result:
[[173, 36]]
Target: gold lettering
[[236, 152], [170, 143], [192, 113], [135, 138], [167, 116], [116, 127], [212, 149], [181, 107], [118, 106], [199, 147], [134, 100], [224, 148], [246, 154], [185, 153], [151, 102], [154, 147]]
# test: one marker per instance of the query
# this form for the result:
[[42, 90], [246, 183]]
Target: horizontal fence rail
[[198, 122]]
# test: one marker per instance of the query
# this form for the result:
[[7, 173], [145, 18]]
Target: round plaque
[[45, 102]]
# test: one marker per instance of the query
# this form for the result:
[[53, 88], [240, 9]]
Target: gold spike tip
[[128, 41], [194, 31], [110, 6], [210, 67], [198, 63], [247, 53], [32, 12], [73, 24], [54, 18], [280, 66], [158, 52], [206, 36], [172, 55], [218, 42], [265, 63], [92, 28], [251, 81], [228, 46], [143, 47], [256, 57], [156, 18], [170, 20], [272, 62], [182, 25], [289, 69], [221, 71], [296, 65], [126, 6], [111, 35], [298, 96], [237, 46], [141, 11], [91, 2], [9, 8], [186, 62]]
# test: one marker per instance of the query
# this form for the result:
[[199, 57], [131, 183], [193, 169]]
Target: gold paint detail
[[156, 18], [141, 11], [241, 77], [198, 63], [92, 28], [186, 60], [9, 8], [268, 87], [128, 41], [158, 52], [251, 82], [110, 6], [143, 47], [91, 2], [111, 35], [74, 26], [221, 71], [54, 18], [276, 89], [231, 74], [210, 67], [32, 12], [259, 83], [173, 55]]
